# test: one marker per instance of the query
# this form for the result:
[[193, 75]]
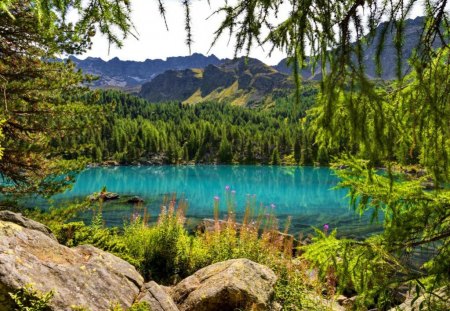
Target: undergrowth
[[310, 277]]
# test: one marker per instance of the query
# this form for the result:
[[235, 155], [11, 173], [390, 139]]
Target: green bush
[[29, 299]]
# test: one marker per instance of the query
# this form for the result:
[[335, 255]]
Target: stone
[[229, 285], [340, 299], [157, 298], [105, 196], [83, 276], [135, 200], [110, 163]]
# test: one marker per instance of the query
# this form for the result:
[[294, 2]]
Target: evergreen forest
[[388, 142]]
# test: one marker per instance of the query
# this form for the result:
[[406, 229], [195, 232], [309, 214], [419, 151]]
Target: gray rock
[[18, 219], [104, 196], [156, 297], [227, 285], [83, 276]]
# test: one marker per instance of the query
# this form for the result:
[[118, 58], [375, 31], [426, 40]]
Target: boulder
[[229, 285], [82, 276], [156, 297]]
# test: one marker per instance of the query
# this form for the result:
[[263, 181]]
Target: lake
[[304, 193]]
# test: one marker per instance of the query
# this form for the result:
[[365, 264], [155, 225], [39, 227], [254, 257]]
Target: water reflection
[[305, 193]]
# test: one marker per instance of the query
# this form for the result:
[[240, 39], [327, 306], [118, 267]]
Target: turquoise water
[[304, 193]]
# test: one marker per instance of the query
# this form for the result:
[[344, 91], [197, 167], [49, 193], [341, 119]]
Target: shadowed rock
[[156, 297]]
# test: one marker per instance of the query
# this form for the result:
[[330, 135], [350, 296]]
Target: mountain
[[412, 32], [117, 73], [241, 81]]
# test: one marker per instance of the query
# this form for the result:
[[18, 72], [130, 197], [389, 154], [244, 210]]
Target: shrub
[[29, 299]]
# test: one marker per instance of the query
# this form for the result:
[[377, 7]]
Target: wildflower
[[272, 206], [216, 198], [135, 216], [325, 228], [227, 188], [233, 192]]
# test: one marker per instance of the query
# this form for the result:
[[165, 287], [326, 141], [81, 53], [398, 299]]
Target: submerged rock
[[135, 200], [82, 276], [229, 285]]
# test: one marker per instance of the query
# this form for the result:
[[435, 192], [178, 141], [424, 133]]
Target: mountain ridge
[[242, 81], [412, 32], [126, 74]]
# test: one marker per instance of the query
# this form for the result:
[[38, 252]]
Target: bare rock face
[[156, 297], [229, 285], [82, 276]]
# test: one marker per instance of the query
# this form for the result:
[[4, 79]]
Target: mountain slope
[[412, 32], [240, 81], [117, 73]]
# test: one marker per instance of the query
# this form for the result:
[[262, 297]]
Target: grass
[[167, 252]]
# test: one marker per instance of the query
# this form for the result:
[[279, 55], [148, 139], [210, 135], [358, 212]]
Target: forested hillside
[[132, 130]]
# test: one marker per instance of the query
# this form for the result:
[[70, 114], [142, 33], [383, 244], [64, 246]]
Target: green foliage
[[140, 306], [73, 35], [164, 252], [367, 268], [137, 131], [1, 139], [34, 106], [29, 299], [392, 140]]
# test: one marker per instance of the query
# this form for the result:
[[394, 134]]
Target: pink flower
[[272, 205], [326, 227], [227, 188], [233, 191], [216, 198]]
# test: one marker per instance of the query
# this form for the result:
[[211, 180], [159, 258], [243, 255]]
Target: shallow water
[[304, 193]]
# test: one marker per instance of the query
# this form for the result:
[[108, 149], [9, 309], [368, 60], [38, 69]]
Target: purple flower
[[326, 227], [272, 205], [227, 188], [135, 216], [216, 198]]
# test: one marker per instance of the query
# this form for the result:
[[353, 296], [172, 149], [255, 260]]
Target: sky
[[155, 41]]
